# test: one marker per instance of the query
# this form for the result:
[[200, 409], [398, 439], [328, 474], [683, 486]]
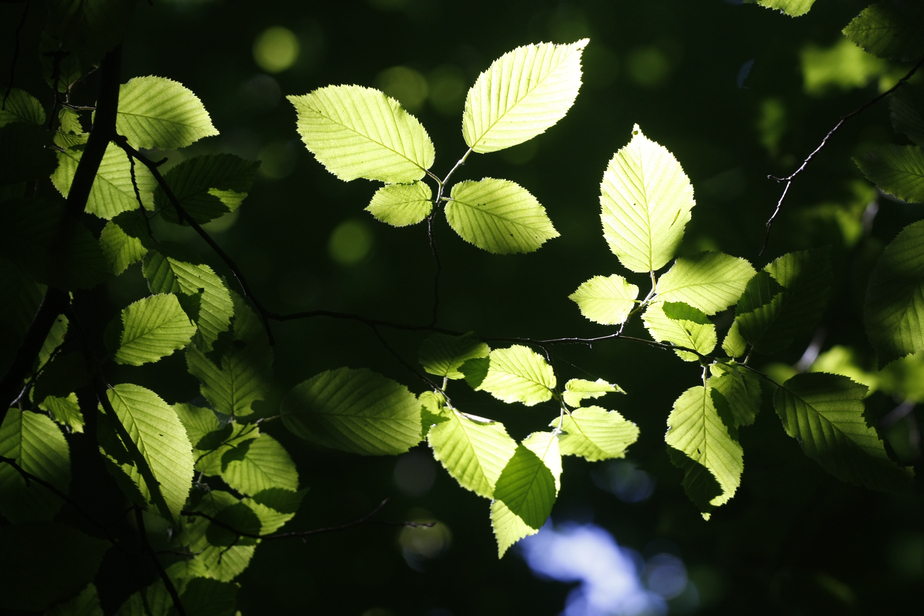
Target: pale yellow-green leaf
[[401, 205], [155, 112], [607, 300]]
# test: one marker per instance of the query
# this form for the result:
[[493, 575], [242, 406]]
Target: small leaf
[[894, 311], [498, 216], [153, 328], [65, 411], [443, 355], [890, 30], [275, 507], [577, 390], [596, 434], [695, 428], [155, 112], [37, 445], [682, 326], [207, 187], [358, 132], [734, 343], [473, 452], [895, 169], [20, 106], [738, 389], [824, 412], [354, 410], [222, 563], [119, 248], [793, 8], [401, 205], [646, 200], [522, 94], [785, 300], [260, 464], [709, 281], [518, 374], [607, 301]]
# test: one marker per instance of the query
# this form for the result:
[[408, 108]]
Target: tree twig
[[168, 583]]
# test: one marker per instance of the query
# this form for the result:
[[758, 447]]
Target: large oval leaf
[[155, 112], [153, 328], [521, 95], [358, 132]]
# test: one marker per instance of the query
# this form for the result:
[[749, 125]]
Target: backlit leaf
[[155, 112], [793, 8], [358, 132], [473, 452], [498, 216], [153, 328], [595, 434], [222, 563], [119, 248], [259, 464], [207, 187], [646, 200], [606, 300], [20, 106], [681, 325], [518, 374], [895, 169], [889, 29], [443, 355], [894, 311], [401, 205], [824, 413], [577, 390], [354, 410], [709, 281], [522, 94]]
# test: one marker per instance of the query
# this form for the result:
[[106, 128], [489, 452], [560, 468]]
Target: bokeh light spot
[[277, 159], [276, 49], [648, 66], [405, 85], [447, 89], [350, 242]]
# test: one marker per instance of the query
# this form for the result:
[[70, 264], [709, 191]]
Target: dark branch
[[790, 178], [168, 583]]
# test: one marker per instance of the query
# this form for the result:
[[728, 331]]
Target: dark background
[[792, 540]]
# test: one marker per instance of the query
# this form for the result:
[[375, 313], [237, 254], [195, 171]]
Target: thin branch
[[317, 531], [168, 583], [790, 178]]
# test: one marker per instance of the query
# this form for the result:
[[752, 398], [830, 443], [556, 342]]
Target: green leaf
[[274, 507], [907, 107], [226, 444], [522, 94], [215, 309], [222, 563], [793, 8], [119, 248], [155, 112], [607, 301], [160, 438], [197, 421], [153, 328], [46, 562], [709, 281], [518, 374], [595, 434], [890, 30], [895, 169], [577, 390], [84, 604], [696, 429], [646, 201], [526, 490], [20, 106], [443, 355], [37, 445], [473, 451], [259, 464], [785, 300], [735, 392], [824, 413], [681, 325], [358, 132], [207, 597], [354, 410], [401, 205], [65, 411], [113, 190], [734, 343], [894, 310], [498, 216], [207, 187]]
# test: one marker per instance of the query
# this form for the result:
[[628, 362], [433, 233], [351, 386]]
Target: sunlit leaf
[[358, 132], [37, 445], [119, 248], [66, 411], [681, 325], [354, 410], [894, 311], [824, 413], [84, 604], [153, 328], [20, 106], [595, 434], [606, 300], [522, 94], [696, 429], [443, 355], [889, 29], [895, 169], [646, 200], [401, 205], [222, 563], [738, 389], [518, 374], [734, 343], [155, 112], [793, 8], [709, 281], [498, 216], [207, 187], [274, 507], [259, 464], [473, 452], [577, 390]]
